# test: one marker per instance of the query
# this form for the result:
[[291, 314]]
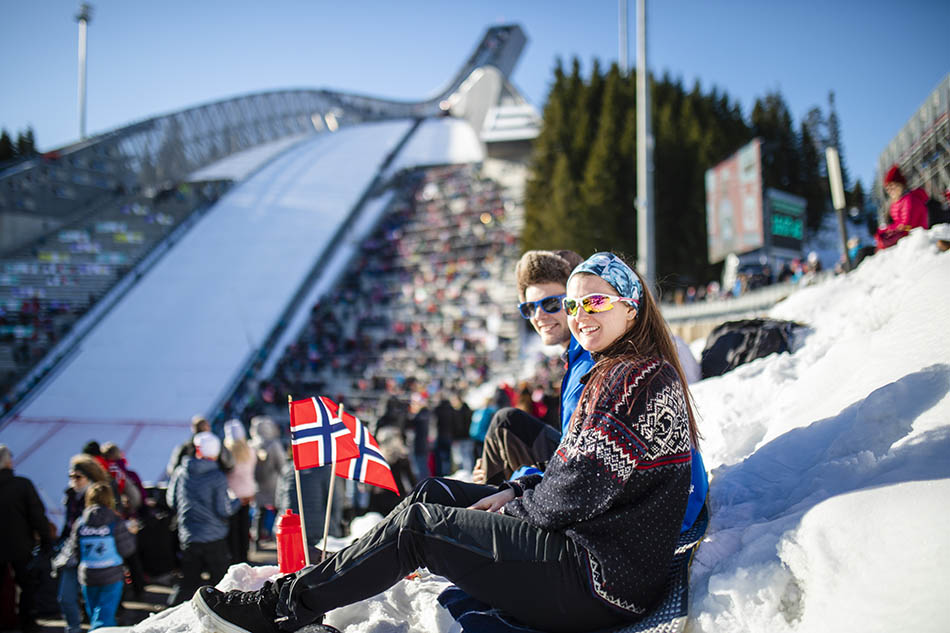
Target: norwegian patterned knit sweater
[[618, 483]]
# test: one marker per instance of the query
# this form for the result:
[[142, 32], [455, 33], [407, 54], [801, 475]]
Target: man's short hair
[[197, 421], [541, 267]]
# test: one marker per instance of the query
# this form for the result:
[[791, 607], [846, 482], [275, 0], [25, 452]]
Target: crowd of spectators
[[425, 298]]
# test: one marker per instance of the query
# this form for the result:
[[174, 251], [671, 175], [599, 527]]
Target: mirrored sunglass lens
[[527, 309], [570, 306], [597, 303], [551, 304]]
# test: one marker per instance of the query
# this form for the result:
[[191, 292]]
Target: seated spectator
[[908, 209]]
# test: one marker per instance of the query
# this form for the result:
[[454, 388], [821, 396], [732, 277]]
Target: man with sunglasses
[[516, 438]]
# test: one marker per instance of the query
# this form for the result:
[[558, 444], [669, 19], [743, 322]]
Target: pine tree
[[546, 150], [7, 151], [605, 187], [814, 184], [25, 144]]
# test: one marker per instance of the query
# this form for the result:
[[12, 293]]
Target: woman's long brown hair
[[648, 337]]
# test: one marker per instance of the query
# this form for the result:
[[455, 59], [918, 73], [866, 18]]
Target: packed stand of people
[[423, 298]]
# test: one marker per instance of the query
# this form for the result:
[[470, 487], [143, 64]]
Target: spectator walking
[[131, 502], [421, 426], [265, 442], [445, 424], [98, 542], [198, 492], [186, 449], [315, 488], [84, 471], [24, 525], [481, 418], [242, 485]]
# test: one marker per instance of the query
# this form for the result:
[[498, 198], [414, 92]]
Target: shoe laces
[[264, 597]]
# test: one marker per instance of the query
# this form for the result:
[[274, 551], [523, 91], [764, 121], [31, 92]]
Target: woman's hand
[[478, 472], [495, 502]]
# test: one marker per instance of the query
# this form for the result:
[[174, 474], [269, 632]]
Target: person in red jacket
[[908, 209]]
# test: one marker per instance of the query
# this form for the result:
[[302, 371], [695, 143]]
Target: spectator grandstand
[[46, 285], [422, 301]]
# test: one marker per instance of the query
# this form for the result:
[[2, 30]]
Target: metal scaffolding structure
[[922, 147], [161, 151]]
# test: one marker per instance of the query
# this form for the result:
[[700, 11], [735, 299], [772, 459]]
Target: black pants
[[538, 576], [516, 438], [23, 578], [212, 557], [239, 534]]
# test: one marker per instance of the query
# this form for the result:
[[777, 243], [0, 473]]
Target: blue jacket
[[579, 363], [198, 491]]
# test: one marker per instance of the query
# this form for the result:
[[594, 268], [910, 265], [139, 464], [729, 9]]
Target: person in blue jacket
[[586, 547], [198, 491], [515, 438]]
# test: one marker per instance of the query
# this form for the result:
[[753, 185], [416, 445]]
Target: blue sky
[[148, 58]]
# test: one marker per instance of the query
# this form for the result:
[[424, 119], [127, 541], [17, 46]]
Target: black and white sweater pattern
[[619, 481]]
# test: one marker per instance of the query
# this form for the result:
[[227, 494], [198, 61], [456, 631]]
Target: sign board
[[734, 211], [786, 213]]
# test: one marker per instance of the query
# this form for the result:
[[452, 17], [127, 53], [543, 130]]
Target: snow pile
[[829, 465], [830, 475]]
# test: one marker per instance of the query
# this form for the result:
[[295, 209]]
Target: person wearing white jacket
[[242, 485]]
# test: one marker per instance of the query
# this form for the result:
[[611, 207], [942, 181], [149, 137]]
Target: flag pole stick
[[303, 524], [326, 520]]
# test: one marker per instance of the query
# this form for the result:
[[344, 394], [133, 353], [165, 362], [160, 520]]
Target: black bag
[[736, 342]]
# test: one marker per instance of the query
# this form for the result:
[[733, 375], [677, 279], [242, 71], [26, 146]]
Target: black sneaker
[[237, 611]]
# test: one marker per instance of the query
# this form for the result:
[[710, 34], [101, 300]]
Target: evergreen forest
[[581, 190]]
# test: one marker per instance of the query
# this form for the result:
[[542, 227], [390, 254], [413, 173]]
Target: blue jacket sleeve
[[225, 505]]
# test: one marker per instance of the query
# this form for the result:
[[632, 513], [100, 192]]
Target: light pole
[[83, 17], [646, 253], [622, 19]]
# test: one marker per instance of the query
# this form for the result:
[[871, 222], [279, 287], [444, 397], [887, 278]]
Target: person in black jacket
[[586, 547], [24, 525]]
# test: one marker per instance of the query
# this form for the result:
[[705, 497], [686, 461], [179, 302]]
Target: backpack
[[737, 342]]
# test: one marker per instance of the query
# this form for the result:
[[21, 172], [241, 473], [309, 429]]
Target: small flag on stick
[[369, 466], [317, 437]]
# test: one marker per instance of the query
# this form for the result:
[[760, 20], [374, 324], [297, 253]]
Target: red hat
[[894, 175]]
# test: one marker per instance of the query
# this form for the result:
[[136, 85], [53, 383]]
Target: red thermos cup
[[290, 556]]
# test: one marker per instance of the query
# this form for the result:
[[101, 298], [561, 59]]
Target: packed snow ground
[[829, 470]]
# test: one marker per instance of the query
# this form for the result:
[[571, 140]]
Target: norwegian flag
[[369, 466], [318, 437]]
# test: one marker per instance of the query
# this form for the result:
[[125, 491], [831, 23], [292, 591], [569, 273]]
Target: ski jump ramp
[[175, 340]]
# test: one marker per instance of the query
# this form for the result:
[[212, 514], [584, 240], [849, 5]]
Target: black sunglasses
[[551, 305]]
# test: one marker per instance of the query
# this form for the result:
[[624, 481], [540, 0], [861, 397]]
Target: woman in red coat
[[908, 209]]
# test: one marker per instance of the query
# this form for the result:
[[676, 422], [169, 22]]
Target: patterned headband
[[614, 271]]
